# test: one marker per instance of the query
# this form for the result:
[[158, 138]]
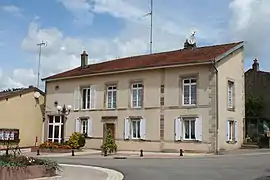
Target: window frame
[[230, 94], [138, 88], [114, 93], [54, 124], [188, 119], [190, 84], [88, 90], [232, 131], [84, 122], [137, 129]]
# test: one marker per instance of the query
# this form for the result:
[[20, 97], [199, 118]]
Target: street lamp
[[63, 111]]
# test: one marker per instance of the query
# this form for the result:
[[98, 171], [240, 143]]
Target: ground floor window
[[189, 128], [55, 129], [231, 130], [84, 126], [135, 128]]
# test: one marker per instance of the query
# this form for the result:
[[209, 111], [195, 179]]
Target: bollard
[[38, 152], [72, 153], [141, 155], [7, 152], [181, 152], [105, 153]]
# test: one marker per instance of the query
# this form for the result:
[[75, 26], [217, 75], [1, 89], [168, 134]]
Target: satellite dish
[[191, 39], [36, 95]]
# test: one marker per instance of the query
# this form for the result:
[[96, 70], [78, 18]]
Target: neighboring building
[[257, 84], [21, 116], [159, 102]]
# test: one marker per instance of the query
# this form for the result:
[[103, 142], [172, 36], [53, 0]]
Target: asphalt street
[[232, 167]]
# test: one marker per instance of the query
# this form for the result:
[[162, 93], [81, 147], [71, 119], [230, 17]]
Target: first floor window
[[189, 91], [86, 98], [136, 95], [135, 128], [230, 94], [111, 97], [55, 129]]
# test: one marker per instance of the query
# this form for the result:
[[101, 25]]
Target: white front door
[[55, 129]]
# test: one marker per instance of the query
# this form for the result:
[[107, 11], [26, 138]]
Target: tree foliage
[[254, 106], [109, 144]]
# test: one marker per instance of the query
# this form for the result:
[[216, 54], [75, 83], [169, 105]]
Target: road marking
[[112, 174]]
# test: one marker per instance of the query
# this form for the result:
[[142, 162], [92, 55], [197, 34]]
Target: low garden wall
[[54, 150], [25, 172]]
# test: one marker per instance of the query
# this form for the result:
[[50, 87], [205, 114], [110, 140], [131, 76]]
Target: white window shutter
[[198, 129], [178, 129], [93, 97], [143, 129], [77, 98], [236, 130], [228, 131], [127, 128], [90, 128], [78, 125]]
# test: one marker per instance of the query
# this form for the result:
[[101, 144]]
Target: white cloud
[[250, 22], [15, 10]]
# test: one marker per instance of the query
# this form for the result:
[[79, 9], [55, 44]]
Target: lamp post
[[63, 112]]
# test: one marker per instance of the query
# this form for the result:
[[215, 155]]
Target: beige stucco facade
[[157, 116], [23, 112]]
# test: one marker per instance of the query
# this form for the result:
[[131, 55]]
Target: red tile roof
[[183, 56]]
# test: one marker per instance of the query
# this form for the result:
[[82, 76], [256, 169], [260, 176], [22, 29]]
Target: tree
[[109, 145], [254, 106]]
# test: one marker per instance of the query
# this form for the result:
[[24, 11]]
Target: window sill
[[231, 142], [135, 140], [188, 141], [189, 105], [231, 109]]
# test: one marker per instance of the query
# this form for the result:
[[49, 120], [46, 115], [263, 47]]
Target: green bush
[[76, 140], [109, 145]]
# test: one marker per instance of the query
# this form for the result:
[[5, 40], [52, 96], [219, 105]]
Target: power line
[[39, 60]]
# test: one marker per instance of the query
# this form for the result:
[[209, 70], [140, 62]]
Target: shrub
[[54, 145], [76, 140], [109, 145]]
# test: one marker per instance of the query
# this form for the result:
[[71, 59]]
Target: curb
[[112, 174], [69, 154]]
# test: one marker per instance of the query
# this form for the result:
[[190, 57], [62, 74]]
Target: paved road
[[232, 167]]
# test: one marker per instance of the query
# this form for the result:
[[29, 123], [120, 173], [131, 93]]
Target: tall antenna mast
[[151, 28], [39, 59]]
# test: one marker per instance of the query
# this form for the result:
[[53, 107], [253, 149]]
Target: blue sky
[[107, 29]]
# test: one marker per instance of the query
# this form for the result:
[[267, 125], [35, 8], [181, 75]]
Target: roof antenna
[[151, 27]]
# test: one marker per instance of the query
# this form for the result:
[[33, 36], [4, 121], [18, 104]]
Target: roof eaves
[[240, 45], [191, 63]]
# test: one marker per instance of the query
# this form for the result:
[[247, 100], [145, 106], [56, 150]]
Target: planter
[[43, 150], [27, 172]]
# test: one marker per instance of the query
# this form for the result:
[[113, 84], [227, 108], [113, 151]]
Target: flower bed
[[23, 167]]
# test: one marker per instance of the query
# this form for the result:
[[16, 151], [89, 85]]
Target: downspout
[[217, 112]]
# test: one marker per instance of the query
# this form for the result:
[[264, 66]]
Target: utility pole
[[39, 59]]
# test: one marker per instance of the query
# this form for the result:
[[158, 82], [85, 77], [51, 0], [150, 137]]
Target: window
[[231, 130], [55, 129], [189, 91], [86, 98], [135, 129], [136, 95], [9, 134], [230, 94], [111, 97], [84, 126], [189, 128]]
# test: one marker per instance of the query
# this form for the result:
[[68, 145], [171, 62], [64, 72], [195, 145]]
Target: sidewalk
[[72, 172]]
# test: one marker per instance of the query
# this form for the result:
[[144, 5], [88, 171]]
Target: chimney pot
[[84, 59], [255, 65]]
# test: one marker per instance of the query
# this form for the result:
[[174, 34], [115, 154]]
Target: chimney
[[84, 59], [255, 65]]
